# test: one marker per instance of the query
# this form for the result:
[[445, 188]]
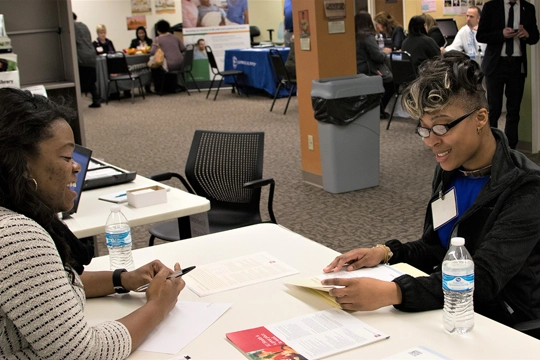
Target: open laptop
[[82, 156], [448, 28]]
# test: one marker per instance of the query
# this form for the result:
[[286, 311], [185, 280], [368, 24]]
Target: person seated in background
[[102, 44], [199, 52], [369, 59], [211, 15], [418, 44], [142, 40], [44, 285], [237, 11], [290, 63], [391, 29], [173, 48], [497, 191], [433, 30], [465, 40]]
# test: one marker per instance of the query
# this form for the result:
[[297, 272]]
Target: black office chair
[[531, 328], [118, 70], [283, 77], [403, 72], [253, 33], [188, 66], [226, 168], [217, 72]]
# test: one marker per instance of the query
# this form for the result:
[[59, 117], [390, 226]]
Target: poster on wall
[[141, 7], [429, 6], [133, 22], [220, 24], [459, 7], [165, 7]]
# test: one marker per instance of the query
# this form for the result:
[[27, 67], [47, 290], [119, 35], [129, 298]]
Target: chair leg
[[192, 78], [141, 88], [392, 114], [289, 100], [117, 90], [244, 85], [275, 96], [219, 85], [132, 92], [151, 241], [108, 92], [210, 88]]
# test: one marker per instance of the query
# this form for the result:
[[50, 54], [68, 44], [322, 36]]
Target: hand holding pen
[[171, 276]]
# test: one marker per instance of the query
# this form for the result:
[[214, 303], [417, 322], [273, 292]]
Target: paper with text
[[183, 324], [419, 352], [312, 336], [235, 273]]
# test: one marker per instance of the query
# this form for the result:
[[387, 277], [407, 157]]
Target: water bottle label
[[120, 239], [458, 283]]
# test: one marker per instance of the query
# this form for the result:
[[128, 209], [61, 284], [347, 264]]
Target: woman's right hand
[[356, 259], [165, 291]]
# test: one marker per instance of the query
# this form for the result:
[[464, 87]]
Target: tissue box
[[151, 195]]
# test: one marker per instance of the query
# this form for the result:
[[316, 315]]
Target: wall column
[[330, 55]]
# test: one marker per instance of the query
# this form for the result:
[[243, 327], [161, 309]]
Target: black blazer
[[491, 27]]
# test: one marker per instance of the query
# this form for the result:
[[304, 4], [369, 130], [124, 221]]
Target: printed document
[[235, 273]]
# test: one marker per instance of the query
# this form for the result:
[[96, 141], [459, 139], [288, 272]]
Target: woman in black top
[[369, 58], [142, 39], [418, 44], [102, 44], [433, 30], [391, 29]]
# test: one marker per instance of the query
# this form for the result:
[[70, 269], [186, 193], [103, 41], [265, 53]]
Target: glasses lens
[[439, 130], [423, 132]]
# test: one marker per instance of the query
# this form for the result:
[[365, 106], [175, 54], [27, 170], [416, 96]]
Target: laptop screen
[[81, 155]]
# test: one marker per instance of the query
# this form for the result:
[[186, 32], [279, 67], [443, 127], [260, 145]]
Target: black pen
[[175, 275]]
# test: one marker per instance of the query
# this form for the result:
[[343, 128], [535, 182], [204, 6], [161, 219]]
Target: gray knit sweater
[[41, 309]]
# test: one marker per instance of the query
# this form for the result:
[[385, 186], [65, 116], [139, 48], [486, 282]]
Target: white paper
[[235, 273], [419, 352], [183, 324], [325, 333], [380, 272]]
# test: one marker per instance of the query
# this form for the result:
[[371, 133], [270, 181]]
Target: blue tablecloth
[[257, 66]]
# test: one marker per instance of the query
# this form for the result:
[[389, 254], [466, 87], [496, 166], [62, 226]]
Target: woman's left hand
[[131, 280], [364, 293]]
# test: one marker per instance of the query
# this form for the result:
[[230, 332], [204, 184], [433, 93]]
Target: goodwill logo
[[236, 62]]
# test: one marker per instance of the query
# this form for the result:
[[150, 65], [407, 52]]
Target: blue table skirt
[[257, 66]]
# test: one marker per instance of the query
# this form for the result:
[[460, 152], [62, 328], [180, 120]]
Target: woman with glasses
[[495, 192]]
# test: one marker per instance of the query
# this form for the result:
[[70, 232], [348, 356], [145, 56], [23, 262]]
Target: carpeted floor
[[154, 135]]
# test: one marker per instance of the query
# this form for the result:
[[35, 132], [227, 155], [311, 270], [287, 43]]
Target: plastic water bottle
[[458, 287], [118, 235], [480, 55], [380, 41]]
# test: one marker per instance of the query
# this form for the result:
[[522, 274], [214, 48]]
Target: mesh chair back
[[212, 60], [403, 69], [279, 66], [117, 64], [188, 59], [219, 163]]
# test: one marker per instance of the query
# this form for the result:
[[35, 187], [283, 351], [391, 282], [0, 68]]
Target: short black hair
[[74, 16], [199, 41], [416, 25], [163, 26]]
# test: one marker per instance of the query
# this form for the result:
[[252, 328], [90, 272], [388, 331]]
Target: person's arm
[[531, 27], [486, 32], [372, 48], [457, 44], [246, 17], [397, 37]]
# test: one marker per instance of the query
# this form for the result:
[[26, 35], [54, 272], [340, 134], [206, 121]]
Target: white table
[[273, 301], [90, 218]]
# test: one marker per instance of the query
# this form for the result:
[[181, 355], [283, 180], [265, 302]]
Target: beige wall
[[414, 7]]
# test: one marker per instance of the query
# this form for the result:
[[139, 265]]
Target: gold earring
[[35, 182], [478, 131]]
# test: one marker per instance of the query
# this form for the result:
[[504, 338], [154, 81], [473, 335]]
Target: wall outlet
[[310, 142]]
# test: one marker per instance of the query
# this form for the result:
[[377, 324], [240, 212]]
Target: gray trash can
[[348, 112]]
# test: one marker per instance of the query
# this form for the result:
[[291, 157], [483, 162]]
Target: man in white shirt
[[465, 40]]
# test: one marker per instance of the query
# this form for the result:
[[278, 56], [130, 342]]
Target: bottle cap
[[457, 241], [115, 208]]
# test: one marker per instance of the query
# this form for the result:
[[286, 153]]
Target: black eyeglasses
[[440, 129]]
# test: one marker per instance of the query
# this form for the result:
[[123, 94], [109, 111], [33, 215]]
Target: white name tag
[[99, 49], [444, 209]]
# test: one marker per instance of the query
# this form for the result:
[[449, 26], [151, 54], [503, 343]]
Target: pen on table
[[120, 195], [175, 275]]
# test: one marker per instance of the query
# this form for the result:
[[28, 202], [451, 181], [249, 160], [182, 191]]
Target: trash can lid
[[346, 86]]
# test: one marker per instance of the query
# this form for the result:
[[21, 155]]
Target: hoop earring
[[35, 182]]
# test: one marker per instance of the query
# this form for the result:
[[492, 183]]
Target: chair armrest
[[168, 176], [255, 184], [531, 327]]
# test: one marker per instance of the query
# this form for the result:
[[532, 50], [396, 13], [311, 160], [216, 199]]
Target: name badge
[[99, 49], [444, 209]]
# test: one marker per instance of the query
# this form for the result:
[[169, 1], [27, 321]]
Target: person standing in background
[[237, 11], [506, 26], [102, 44], [86, 58], [288, 23], [465, 40]]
